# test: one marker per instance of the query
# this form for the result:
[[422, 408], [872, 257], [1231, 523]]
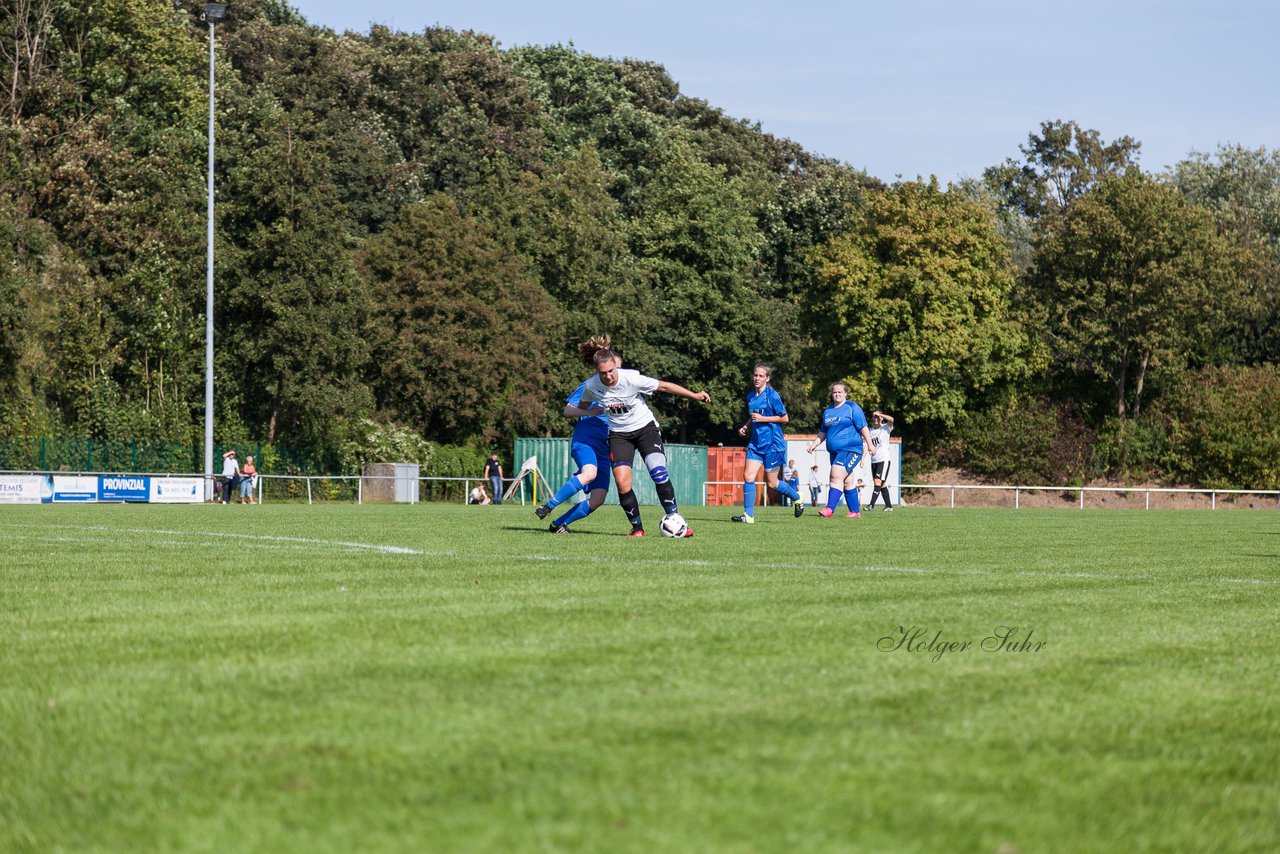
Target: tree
[[1061, 164], [1133, 279], [912, 307], [25, 29], [577, 241], [457, 327], [453, 106], [697, 239], [290, 307], [1241, 186]]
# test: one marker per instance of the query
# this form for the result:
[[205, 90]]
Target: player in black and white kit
[[619, 395], [881, 424]]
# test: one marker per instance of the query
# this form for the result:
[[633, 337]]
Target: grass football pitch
[[396, 678]]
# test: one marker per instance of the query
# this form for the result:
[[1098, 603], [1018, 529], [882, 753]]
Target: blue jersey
[[593, 429], [766, 437], [843, 426]]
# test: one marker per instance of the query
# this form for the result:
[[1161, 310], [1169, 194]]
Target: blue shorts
[[772, 459], [585, 454], [847, 460]]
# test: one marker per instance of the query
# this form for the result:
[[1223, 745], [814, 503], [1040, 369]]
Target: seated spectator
[[478, 495]]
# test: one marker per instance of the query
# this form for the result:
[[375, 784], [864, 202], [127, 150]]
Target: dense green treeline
[[414, 229]]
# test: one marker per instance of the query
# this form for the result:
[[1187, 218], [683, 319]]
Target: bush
[[376, 442], [1033, 442], [1133, 451], [1225, 432], [457, 461]]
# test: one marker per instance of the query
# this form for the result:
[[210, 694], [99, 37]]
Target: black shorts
[[880, 471], [623, 446]]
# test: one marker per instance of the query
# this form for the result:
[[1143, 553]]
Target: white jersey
[[880, 443], [623, 404]]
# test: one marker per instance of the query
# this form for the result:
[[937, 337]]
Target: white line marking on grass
[[263, 538]]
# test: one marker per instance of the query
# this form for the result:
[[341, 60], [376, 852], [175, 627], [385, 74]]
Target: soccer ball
[[673, 525]]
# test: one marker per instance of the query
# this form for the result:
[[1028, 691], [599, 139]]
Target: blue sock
[[579, 511], [833, 498], [788, 490], [749, 498], [855, 503], [571, 487]]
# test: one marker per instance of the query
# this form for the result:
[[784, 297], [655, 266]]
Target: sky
[[913, 89]]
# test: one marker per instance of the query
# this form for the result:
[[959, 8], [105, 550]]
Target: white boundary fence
[[762, 491], [1083, 490], [310, 479]]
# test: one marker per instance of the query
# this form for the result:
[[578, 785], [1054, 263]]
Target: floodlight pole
[[213, 13]]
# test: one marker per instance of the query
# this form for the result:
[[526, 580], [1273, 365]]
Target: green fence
[[686, 463], [107, 455]]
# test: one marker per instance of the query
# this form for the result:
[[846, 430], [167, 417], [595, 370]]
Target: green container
[[686, 463]]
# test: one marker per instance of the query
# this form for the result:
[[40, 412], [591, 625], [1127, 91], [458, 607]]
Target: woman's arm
[[673, 388]]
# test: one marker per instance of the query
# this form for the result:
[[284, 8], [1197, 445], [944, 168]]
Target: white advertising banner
[[797, 450], [25, 489], [75, 488], [177, 490]]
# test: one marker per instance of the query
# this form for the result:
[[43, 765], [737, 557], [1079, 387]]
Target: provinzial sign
[[124, 488]]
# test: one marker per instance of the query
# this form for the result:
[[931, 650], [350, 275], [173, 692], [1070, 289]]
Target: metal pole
[[208, 295]]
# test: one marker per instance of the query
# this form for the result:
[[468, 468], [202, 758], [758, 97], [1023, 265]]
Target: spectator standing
[[248, 480], [230, 474], [493, 471], [815, 484]]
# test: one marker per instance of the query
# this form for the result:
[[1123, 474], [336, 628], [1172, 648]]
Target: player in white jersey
[[881, 424], [619, 394]]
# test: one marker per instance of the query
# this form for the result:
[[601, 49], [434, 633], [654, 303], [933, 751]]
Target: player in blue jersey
[[589, 448], [844, 428], [767, 448]]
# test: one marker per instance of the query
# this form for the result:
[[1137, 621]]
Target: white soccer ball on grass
[[673, 525]]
